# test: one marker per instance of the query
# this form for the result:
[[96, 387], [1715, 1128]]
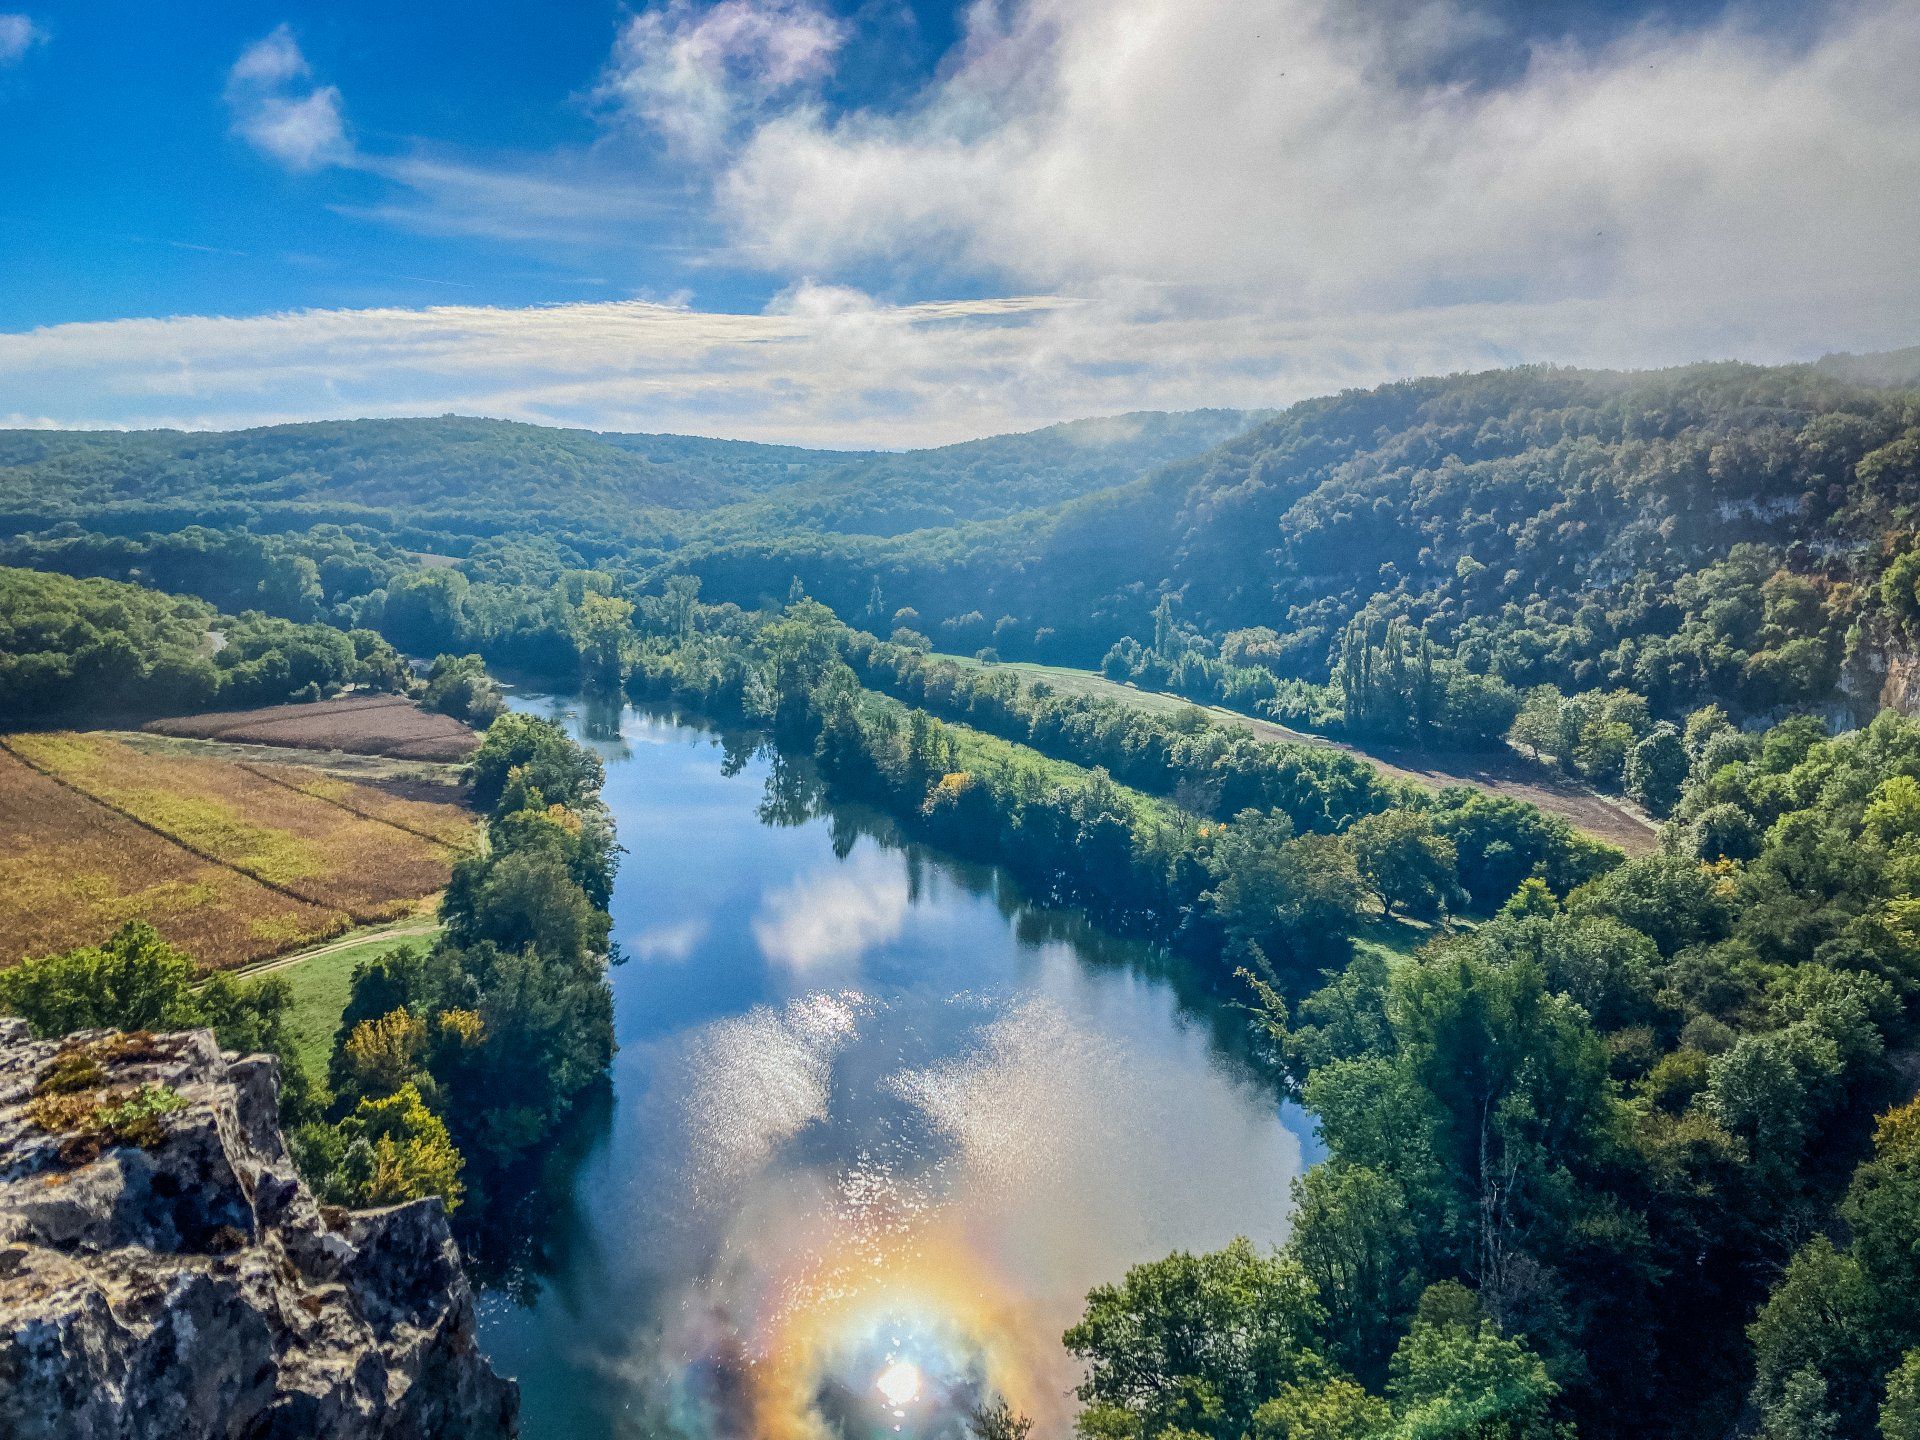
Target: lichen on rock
[[164, 1273]]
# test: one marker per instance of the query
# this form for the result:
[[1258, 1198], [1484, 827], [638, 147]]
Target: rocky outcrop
[[164, 1273], [1900, 689]]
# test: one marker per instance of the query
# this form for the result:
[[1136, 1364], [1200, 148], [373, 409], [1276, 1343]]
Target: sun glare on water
[[899, 1383]]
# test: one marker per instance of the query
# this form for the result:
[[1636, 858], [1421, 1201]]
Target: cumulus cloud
[[1291, 153], [696, 73], [278, 109], [18, 34]]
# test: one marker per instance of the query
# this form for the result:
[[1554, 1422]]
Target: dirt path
[[402, 930], [1601, 816]]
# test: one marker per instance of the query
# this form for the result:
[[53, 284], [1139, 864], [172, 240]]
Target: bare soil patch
[[389, 725], [1601, 816]]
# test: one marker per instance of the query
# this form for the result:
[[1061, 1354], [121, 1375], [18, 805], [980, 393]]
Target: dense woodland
[[1623, 1146], [97, 648], [452, 481]]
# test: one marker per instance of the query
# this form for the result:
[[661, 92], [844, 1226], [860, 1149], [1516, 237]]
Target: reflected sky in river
[[876, 1128]]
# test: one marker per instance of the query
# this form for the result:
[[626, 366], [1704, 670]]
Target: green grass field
[[1395, 940], [1078, 682], [320, 986]]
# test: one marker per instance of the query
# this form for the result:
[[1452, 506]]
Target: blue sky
[[129, 192], [895, 223]]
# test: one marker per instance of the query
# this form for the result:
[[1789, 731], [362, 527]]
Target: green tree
[[546, 760], [1197, 1342], [1456, 1377], [381, 1056], [998, 1420], [1832, 1341], [1410, 865], [1291, 901], [137, 981], [1516, 1092], [1657, 769], [603, 634], [1325, 1408], [458, 685], [525, 898], [134, 981], [389, 1150], [1355, 1240], [1900, 1412]]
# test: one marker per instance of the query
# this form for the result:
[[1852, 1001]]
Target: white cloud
[[694, 73], [270, 63], [1180, 203], [829, 365], [1290, 154], [572, 197], [558, 199], [279, 111], [18, 34]]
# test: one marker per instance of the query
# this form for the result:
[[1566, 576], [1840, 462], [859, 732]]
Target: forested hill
[[1419, 557], [463, 473], [463, 478], [1002, 475], [1715, 531]]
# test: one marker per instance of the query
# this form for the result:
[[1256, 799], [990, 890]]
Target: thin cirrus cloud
[[559, 199]]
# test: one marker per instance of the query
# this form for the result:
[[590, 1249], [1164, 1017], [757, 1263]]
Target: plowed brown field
[[358, 724]]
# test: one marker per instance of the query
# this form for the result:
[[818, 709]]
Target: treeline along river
[[876, 1125]]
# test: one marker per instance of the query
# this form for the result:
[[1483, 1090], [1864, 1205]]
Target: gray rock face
[[163, 1273]]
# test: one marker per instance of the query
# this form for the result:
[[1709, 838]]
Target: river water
[[876, 1126]]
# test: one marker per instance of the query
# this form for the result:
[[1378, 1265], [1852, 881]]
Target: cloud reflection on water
[[671, 942], [833, 916]]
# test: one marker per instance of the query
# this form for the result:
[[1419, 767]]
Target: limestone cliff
[[163, 1272]]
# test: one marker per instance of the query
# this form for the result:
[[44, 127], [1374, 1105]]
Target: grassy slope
[[321, 978], [1602, 816]]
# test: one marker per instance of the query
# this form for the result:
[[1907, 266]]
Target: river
[[876, 1126]]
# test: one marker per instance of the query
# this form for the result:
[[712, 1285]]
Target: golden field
[[232, 860]]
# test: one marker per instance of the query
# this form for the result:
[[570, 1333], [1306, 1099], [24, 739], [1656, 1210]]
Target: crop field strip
[[387, 725], [277, 835], [328, 791], [73, 869], [354, 853], [143, 823]]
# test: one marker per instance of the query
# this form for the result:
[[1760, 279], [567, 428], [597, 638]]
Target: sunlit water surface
[[876, 1127]]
